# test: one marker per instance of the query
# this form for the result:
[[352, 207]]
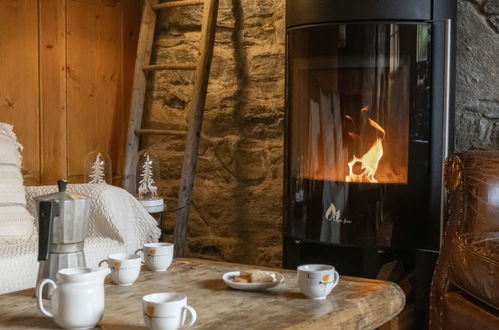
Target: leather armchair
[[465, 287]]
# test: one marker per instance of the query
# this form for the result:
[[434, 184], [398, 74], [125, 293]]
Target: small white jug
[[78, 297]]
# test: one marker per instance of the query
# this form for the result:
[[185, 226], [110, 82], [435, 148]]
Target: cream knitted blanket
[[114, 213], [118, 223], [16, 224]]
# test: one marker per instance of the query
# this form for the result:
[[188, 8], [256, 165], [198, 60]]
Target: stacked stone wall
[[477, 76]]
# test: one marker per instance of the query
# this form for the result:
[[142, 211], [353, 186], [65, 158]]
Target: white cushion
[[16, 224]]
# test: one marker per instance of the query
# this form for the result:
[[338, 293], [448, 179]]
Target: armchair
[[465, 287]]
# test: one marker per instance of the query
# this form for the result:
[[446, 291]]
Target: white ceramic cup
[[167, 311], [317, 281], [125, 267], [157, 256]]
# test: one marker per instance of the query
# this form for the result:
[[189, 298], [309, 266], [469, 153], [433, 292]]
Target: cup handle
[[336, 278], [104, 261], [147, 321], [39, 289], [194, 316], [144, 256]]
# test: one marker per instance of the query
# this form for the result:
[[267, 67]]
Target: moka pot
[[62, 229]]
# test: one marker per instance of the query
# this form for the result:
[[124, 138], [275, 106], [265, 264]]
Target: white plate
[[251, 286]]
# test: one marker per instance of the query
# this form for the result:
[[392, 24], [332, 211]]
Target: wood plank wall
[[66, 70]]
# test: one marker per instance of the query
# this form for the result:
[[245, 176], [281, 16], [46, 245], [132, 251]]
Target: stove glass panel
[[358, 133]]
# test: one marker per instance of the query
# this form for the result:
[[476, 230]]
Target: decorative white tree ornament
[[97, 174], [146, 183], [147, 177], [98, 168]]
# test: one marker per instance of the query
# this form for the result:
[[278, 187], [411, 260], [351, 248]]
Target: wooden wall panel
[[95, 110], [65, 81], [53, 90], [19, 95]]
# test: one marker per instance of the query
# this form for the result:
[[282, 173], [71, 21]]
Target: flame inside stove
[[363, 168]]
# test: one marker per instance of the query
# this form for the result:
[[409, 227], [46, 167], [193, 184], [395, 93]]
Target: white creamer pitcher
[[78, 297]]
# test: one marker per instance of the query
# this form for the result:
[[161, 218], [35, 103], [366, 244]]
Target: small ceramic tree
[[97, 174], [147, 177], [146, 181], [98, 168]]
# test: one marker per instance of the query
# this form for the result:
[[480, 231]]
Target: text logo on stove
[[334, 215]]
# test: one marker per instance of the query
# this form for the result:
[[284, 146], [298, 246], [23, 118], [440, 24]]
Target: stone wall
[[237, 205], [477, 85]]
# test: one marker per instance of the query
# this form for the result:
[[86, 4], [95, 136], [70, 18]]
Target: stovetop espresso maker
[[62, 228]]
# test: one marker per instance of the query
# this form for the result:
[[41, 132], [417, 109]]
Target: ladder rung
[[179, 3], [156, 67], [159, 131]]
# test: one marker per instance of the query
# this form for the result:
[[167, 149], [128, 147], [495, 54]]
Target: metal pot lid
[[61, 195]]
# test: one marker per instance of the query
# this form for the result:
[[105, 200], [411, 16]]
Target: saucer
[[251, 286]]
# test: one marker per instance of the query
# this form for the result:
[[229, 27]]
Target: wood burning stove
[[369, 108]]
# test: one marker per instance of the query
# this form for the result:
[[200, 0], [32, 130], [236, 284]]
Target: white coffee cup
[[157, 256], [125, 267], [167, 311], [317, 281]]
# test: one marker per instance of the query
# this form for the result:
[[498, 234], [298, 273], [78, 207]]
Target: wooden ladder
[[142, 67]]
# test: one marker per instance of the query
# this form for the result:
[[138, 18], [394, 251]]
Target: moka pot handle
[[46, 215]]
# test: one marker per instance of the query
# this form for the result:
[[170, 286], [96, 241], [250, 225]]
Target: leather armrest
[[479, 173], [471, 179]]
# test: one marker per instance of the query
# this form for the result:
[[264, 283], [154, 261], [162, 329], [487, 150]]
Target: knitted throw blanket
[[16, 224], [118, 223], [114, 213]]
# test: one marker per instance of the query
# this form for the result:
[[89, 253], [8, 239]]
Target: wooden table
[[355, 303]]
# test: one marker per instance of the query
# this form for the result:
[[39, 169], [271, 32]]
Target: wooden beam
[[156, 67], [171, 4], [144, 46], [196, 110], [130, 28], [150, 131]]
